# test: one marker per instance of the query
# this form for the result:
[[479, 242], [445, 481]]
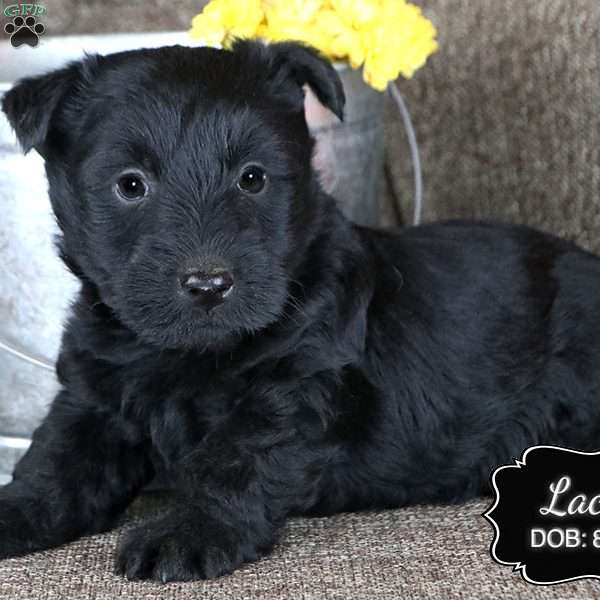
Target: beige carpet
[[424, 552]]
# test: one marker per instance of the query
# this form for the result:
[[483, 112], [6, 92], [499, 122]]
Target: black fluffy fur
[[348, 369]]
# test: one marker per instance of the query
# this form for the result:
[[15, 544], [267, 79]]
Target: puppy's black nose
[[208, 289]]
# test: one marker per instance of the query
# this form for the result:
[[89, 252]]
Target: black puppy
[[234, 329]]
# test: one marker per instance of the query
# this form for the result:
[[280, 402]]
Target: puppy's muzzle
[[208, 289]]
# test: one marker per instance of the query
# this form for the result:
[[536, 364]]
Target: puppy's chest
[[176, 406]]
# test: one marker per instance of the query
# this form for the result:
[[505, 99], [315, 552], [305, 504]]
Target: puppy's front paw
[[171, 549], [17, 536]]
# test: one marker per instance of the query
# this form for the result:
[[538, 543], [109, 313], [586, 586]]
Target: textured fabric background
[[508, 115], [424, 552], [111, 16]]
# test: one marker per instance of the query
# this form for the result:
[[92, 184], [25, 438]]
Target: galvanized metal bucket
[[36, 289], [350, 153]]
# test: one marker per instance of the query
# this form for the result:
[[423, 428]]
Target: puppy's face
[[181, 179]]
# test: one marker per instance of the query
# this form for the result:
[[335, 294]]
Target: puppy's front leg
[[84, 466], [235, 490]]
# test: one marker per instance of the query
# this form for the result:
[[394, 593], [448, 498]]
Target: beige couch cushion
[[419, 552]]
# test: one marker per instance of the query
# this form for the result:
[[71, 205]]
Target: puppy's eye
[[131, 186], [252, 180]]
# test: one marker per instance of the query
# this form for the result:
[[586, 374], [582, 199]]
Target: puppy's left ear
[[305, 66]]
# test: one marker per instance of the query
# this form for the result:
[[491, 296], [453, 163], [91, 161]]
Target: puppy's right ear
[[33, 105]]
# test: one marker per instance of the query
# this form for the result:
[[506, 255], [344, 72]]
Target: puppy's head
[[181, 179]]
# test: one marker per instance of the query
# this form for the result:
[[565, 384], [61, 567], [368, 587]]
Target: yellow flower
[[358, 13], [293, 20], [301, 11], [223, 20], [343, 42], [386, 37], [399, 43]]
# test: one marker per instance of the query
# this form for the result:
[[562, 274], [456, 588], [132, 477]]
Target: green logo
[[25, 10]]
